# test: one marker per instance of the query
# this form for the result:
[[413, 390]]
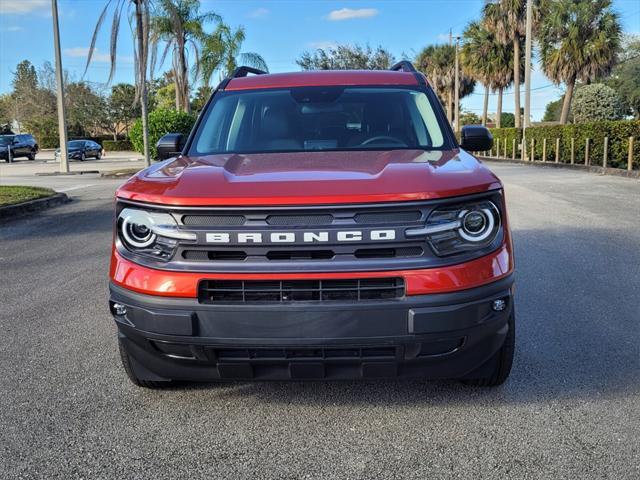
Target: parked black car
[[82, 149], [21, 145]]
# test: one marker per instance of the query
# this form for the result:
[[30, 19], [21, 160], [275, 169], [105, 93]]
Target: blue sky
[[279, 30]]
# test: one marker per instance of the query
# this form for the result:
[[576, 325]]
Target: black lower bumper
[[434, 336]]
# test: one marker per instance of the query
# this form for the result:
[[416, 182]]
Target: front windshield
[[76, 144], [318, 118]]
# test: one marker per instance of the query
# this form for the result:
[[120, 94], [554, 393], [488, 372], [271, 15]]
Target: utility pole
[[527, 67], [457, 88], [62, 123]]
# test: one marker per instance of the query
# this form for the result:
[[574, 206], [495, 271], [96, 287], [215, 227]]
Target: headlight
[[150, 233], [461, 228]]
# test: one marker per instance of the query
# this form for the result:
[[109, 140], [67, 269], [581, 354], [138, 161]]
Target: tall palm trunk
[[499, 109], [485, 107], [516, 78], [142, 75], [566, 104], [182, 80]]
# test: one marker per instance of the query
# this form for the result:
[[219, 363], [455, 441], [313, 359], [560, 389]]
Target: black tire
[[502, 361], [32, 155], [129, 369], [98, 156], [83, 157]]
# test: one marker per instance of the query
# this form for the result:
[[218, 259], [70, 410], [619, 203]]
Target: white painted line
[[77, 187]]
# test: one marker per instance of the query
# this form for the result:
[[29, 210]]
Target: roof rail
[[239, 72], [404, 66], [407, 66]]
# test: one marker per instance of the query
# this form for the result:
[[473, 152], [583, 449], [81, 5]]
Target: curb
[[62, 174], [118, 174], [11, 211], [616, 172]]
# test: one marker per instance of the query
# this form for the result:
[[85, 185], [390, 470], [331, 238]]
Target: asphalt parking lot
[[571, 408]]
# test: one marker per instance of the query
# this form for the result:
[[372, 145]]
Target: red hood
[[310, 178]]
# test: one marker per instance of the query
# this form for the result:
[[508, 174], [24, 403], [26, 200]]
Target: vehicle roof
[[323, 78]]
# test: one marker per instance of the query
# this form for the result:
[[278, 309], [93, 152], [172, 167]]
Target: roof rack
[[239, 72], [407, 66], [404, 66]]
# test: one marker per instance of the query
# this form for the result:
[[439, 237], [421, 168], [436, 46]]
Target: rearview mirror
[[170, 145], [476, 138]]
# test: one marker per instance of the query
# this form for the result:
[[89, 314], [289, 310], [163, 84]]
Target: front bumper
[[445, 335]]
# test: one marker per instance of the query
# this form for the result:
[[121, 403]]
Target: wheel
[[98, 156], [32, 155], [128, 364], [83, 157], [499, 366]]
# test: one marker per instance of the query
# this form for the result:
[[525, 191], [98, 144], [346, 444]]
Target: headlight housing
[[151, 234], [459, 228]]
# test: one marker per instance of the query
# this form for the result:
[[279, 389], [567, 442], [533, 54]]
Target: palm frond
[[94, 37]]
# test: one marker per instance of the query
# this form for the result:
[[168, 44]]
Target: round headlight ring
[[137, 235], [471, 219]]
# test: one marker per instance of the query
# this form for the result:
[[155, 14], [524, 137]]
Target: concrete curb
[[616, 172], [62, 174], [12, 211]]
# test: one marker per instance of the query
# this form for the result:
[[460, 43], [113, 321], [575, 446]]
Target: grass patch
[[10, 194], [123, 172]]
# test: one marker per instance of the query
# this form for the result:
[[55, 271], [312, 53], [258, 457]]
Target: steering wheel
[[380, 138]]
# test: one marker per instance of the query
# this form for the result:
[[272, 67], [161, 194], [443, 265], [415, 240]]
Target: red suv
[[315, 225]]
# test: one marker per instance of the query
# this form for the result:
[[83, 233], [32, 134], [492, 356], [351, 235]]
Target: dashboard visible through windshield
[[318, 118]]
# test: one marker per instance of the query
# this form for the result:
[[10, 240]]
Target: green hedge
[[117, 145], [161, 122], [618, 133]]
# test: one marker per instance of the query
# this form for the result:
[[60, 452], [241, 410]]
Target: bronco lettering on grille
[[338, 236]]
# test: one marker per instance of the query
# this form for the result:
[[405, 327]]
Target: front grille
[[214, 220], [297, 220], [306, 353], [285, 291]]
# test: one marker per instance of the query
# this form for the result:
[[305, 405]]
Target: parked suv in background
[[315, 225], [21, 145]]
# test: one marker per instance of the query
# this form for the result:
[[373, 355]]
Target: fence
[[528, 151], [610, 144]]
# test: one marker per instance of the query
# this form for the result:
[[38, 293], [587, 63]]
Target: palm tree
[[141, 52], [476, 58], [179, 24], [507, 20], [578, 41], [437, 62], [222, 50]]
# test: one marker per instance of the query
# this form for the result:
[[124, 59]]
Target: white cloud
[[349, 13], [259, 12], [24, 6], [324, 45], [98, 56], [13, 28]]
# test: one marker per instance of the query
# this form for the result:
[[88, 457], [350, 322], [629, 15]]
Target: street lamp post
[[62, 124], [527, 67]]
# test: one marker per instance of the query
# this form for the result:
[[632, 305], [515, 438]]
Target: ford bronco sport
[[315, 225]]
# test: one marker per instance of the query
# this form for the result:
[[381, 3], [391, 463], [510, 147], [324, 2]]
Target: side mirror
[[170, 145], [476, 138]]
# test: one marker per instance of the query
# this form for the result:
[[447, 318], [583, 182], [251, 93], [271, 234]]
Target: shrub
[[161, 122], [596, 102], [618, 133], [117, 145]]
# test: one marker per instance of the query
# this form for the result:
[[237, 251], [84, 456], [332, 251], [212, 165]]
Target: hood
[[307, 178]]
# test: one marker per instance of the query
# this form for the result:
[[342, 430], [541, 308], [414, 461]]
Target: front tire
[[83, 157], [128, 364], [500, 363], [32, 155]]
